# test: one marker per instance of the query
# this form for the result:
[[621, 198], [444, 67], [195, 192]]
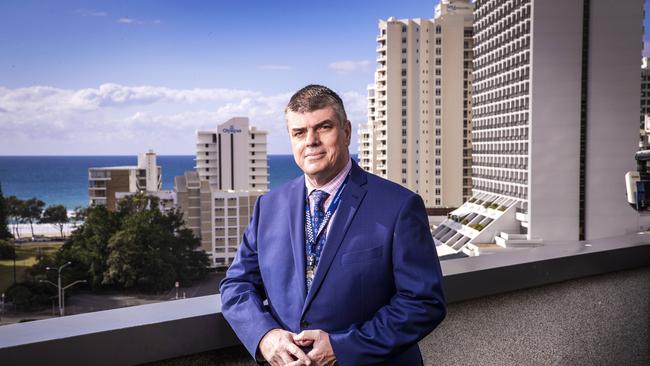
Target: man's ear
[[348, 131]]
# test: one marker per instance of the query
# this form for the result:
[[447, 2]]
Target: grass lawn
[[26, 257]]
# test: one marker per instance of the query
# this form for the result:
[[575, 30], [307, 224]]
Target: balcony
[[527, 306], [99, 175]]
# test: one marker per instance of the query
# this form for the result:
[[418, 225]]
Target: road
[[85, 302]]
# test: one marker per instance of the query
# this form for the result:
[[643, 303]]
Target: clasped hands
[[281, 347]]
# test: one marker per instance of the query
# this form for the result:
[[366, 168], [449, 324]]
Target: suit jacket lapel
[[350, 201], [297, 232]]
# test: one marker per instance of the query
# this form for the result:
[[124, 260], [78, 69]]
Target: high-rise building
[[555, 123], [218, 198], [644, 123], [419, 108], [233, 157], [106, 185]]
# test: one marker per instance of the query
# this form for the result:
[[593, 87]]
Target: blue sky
[[120, 77]]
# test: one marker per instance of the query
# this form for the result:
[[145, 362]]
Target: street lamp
[[61, 290], [63, 294]]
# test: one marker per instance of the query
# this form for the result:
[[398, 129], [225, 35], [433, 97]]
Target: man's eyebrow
[[319, 124]]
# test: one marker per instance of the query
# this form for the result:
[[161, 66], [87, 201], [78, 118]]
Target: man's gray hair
[[314, 97]]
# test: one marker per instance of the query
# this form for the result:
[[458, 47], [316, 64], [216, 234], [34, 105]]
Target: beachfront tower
[[555, 123]]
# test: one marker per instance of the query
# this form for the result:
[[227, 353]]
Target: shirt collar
[[333, 185]]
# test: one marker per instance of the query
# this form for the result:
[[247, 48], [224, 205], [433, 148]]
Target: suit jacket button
[[304, 324]]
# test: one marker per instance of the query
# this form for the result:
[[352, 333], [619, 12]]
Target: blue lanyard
[[328, 214]]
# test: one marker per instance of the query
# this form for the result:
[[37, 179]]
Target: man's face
[[319, 143]]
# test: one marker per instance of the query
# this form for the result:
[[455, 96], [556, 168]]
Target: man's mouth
[[314, 156]]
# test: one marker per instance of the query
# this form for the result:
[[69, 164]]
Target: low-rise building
[[106, 185]]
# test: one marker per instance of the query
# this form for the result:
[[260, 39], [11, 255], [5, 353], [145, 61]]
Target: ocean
[[64, 179]]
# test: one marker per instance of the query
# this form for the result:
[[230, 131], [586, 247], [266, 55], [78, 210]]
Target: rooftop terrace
[[563, 303]]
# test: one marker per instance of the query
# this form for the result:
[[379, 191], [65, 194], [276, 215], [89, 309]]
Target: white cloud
[[275, 67], [113, 118], [356, 107], [127, 20], [346, 67]]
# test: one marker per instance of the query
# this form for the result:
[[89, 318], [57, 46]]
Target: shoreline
[[42, 230]]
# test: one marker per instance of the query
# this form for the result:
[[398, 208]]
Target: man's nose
[[312, 137]]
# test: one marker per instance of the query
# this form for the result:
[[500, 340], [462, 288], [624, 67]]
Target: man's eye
[[298, 133], [325, 127]]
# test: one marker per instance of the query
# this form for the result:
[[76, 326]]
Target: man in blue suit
[[338, 266]]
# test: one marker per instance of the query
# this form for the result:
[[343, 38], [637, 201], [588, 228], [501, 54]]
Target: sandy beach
[[48, 230]]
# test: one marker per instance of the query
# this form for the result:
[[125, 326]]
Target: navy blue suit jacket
[[377, 289]]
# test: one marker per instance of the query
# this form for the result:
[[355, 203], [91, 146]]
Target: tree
[[32, 211], [79, 215], [152, 250], [56, 215], [4, 215], [87, 247], [14, 210], [136, 246]]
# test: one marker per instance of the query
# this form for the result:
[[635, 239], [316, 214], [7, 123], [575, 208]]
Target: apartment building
[[106, 185], [555, 123], [233, 157], [418, 132], [217, 199], [644, 123]]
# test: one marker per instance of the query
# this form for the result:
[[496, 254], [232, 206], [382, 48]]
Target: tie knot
[[319, 197]]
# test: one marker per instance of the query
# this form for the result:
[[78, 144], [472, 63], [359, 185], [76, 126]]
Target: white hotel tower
[[555, 123], [218, 198], [419, 108]]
